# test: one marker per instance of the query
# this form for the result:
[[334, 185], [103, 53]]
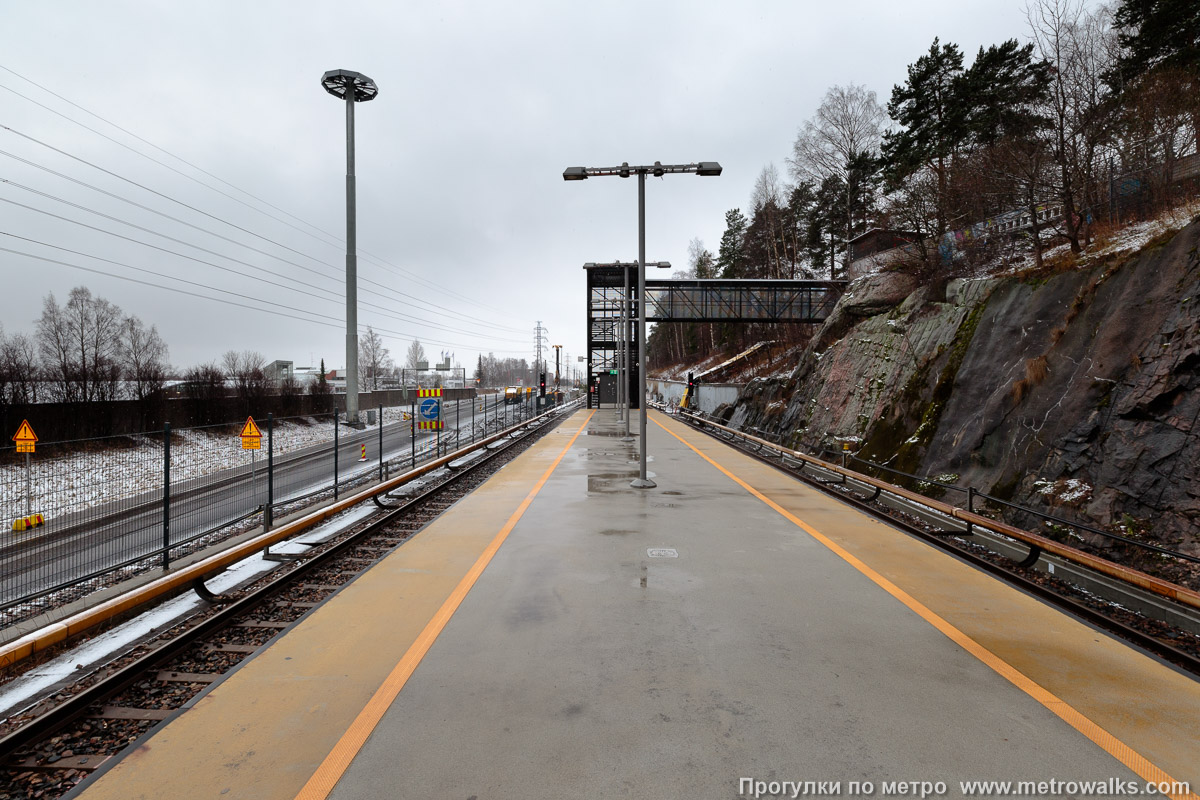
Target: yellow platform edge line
[[321, 783], [1138, 763]]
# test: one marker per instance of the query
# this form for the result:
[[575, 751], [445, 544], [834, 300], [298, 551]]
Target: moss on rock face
[[898, 441]]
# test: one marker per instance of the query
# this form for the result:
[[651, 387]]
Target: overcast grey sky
[[471, 232]]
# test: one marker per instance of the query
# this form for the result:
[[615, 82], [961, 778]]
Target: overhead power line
[[311, 316], [291, 286], [236, 243], [336, 239]]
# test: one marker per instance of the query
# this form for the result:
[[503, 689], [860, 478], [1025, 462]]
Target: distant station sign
[[25, 437], [429, 409], [251, 435]]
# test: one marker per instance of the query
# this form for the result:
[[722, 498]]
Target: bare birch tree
[[245, 369], [1074, 42], [19, 370], [847, 127], [849, 121], [80, 346], [415, 355], [374, 360], [144, 358]]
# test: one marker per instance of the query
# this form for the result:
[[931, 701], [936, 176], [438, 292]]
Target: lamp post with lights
[[657, 169], [353, 87]]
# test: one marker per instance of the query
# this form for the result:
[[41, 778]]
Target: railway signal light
[[542, 383], [691, 382]]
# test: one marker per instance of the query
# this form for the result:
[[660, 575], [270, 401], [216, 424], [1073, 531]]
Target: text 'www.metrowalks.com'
[[1109, 787]]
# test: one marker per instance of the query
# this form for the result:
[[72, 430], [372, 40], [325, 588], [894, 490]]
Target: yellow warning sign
[[251, 435], [25, 437]]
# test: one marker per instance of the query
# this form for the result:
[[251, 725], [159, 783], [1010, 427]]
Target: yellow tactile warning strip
[[1139, 764], [334, 766]]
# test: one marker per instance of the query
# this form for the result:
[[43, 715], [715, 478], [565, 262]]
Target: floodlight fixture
[[657, 169], [340, 81]]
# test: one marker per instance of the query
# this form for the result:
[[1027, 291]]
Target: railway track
[[1169, 642], [55, 744]]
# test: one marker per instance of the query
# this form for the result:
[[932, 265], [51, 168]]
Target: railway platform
[[729, 633]]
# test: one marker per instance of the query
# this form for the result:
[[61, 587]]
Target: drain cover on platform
[[662, 552]]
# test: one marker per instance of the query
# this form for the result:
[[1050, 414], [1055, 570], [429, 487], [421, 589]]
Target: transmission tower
[[540, 338]]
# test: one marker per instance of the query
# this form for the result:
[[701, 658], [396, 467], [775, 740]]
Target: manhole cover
[[662, 552]]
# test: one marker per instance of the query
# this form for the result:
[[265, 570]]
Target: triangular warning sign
[[25, 433], [250, 429]]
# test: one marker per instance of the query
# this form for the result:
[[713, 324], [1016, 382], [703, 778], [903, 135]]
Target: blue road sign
[[431, 408]]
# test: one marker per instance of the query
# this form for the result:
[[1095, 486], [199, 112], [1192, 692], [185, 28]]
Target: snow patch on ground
[[84, 479]]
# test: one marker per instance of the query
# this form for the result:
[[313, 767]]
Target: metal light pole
[[704, 168], [354, 87], [643, 480]]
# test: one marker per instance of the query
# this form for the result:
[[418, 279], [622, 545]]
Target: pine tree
[[932, 122], [731, 253], [1160, 42], [1002, 92], [1156, 33]]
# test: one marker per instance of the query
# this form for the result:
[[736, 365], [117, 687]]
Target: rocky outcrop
[[1076, 392]]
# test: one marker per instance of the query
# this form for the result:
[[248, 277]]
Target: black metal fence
[[116, 506]]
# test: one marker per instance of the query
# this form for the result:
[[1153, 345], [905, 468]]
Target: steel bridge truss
[[691, 300], [721, 300]]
